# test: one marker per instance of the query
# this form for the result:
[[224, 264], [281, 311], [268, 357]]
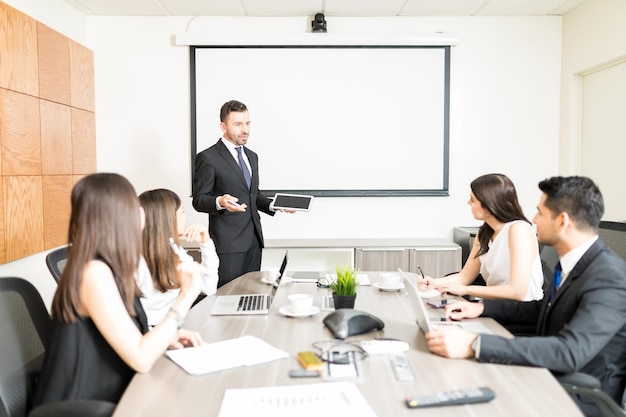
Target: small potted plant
[[344, 288]]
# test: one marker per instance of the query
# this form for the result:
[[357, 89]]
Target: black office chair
[[614, 235], [55, 260], [25, 328], [588, 387]]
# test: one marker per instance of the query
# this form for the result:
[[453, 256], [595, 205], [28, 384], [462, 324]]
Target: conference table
[[167, 390]]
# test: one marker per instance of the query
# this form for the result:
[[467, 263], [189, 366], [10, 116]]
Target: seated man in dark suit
[[581, 322]]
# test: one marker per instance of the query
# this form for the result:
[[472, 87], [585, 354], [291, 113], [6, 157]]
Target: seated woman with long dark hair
[[100, 336]]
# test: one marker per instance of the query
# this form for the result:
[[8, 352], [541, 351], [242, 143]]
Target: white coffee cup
[[390, 279], [300, 303], [270, 276]]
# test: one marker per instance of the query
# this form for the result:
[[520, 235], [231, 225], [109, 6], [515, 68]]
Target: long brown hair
[[497, 195], [160, 206], [104, 225]]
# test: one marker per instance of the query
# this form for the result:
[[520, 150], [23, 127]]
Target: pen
[[421, 272], [233, 203]]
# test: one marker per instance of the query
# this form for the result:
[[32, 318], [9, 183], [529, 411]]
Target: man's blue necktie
[[244, 167], [556, 280]]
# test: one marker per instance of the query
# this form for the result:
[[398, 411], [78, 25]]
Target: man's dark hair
[[579, 197], [231, 106]]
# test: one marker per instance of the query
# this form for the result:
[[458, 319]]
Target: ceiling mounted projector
[[318, 25]]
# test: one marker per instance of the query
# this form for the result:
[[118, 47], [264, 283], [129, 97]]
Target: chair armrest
[[587, 386], [579, 379]]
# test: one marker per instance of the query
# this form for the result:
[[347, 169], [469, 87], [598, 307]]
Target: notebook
[[246, 304], [427, 323]]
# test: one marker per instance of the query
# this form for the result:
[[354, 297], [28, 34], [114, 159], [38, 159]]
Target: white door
[[603, 142]]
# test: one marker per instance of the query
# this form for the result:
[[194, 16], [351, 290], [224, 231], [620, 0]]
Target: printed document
[[227, 354]]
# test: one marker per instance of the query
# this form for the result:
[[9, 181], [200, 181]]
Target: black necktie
[[244, 167], [556, 280]]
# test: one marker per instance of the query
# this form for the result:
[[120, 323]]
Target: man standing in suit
[[581, 322], [226, 185]]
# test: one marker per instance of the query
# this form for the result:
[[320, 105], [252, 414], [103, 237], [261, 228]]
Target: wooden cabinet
[[380, 259], [436, 257]]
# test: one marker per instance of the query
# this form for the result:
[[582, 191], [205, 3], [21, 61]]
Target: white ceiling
[[330, 8]]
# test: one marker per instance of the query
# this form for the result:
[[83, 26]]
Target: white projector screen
[[332, 120]]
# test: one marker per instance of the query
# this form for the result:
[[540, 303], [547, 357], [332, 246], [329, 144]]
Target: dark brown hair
[[160, 206], [104, 225], [578, 196], [231, 106], [497, 195]]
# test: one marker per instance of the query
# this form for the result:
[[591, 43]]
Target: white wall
[[593, 133], [505, 82], [594, 35], [504, 114]]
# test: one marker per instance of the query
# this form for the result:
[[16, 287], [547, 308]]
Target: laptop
[[247, 304], [427, 323]]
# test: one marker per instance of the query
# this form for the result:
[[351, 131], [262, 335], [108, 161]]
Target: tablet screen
[[293, 201]]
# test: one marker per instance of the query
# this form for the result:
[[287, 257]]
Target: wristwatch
[[476, 347]]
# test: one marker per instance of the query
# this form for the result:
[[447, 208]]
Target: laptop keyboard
[[251, 302]]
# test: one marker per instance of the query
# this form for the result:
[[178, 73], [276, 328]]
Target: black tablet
[[297, 202]]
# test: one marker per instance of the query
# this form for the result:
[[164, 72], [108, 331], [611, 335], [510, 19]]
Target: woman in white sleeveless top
[[505, 252]]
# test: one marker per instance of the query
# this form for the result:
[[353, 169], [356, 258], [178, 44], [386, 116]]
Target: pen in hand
[[424, 281]]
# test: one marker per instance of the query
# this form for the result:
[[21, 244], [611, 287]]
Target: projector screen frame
[[443, 191]]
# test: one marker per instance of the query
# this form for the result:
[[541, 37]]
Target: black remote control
[[462, 396]]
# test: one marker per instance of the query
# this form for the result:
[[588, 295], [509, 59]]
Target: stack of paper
[[227, 354], [325, 399]]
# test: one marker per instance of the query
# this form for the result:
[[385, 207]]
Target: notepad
[[227, 354]]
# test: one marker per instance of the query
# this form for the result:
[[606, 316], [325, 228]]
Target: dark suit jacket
[[582, 329], [217, 173]]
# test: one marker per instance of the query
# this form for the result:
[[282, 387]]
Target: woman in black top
[[101, 337]]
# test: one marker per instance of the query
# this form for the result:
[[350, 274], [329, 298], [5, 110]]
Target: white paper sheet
[[324, 399], [227, 354]]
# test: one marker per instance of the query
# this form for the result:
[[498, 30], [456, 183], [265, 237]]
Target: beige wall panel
[[2, 246], [56, 138], [77, 178], [24, 216], [54, 65], [56, 209], [83, 141], [82, 83], [19, 134], [18, 51]]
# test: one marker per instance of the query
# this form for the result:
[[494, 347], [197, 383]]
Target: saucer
[[286, 311], [267, 281], [384, 287]]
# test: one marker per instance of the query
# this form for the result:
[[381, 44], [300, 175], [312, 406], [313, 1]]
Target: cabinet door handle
[[380, 250]]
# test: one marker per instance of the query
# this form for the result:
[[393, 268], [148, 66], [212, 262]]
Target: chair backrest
[[614, 235], [25, 327], [56, 261], [549, 258]]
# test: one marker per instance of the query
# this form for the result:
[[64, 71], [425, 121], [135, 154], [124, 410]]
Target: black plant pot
[[343, 301]]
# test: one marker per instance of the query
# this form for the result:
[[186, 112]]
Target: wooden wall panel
[[18, 51], [81, 81], [83, 141], [20, 134], [56, 138], [54, 65], [47, 132], [2, 245], [23, 233], [57, 190]]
